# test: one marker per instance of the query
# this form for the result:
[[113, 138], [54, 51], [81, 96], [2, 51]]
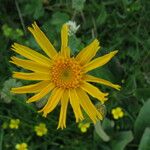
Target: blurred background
[[119, 25]]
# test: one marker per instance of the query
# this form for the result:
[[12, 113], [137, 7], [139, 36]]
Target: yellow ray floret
[[33, 88], [31, 54], [63, 111], [90, 78], [31, 76], [30, 65], [42, 40], [42, 93], [94, 91], [74, 101], [61, 77], [88, 52], [53, 101], [88, 106], [65, 50], [100, 61]]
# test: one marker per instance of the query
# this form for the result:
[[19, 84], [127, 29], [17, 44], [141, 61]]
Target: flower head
[[21, 146], [14, 123], [62, 75], [40, 129], [83, 126], [117, 113]]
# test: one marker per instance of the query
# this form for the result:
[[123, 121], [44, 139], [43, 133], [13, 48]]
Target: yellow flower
[[14, 123], [40, 129], [117, 113], [62, 75], [83, 126], [21, 146]]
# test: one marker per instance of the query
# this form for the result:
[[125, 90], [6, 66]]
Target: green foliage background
[[118, 24]]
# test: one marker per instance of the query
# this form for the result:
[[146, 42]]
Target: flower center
[[66, 73]]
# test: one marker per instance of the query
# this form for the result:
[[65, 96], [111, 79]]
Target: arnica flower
[[83, 126], [40, 129], [14, 123], [117, 113], [63, 75], [21, 146]]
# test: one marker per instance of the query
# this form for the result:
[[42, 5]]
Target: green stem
[[1, 138], [102, 134]]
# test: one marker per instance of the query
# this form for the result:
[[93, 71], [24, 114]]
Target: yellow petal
[[31, 54], [65, 50], [74, 101], [100, 61], [88, 52], [31, 76], [113, 111], [17, 146], [116, 116], [90, 78], [63, 111], [30, 65], [88, 107], [94, 91], [42, 93], [121, 114], [52, 101], [24, 145], [33, 88], [118, 109], [42, 40]]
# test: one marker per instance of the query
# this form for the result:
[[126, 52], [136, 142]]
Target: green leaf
[[75, 44], [121, 140], [39, 10], [143, 120], [6, 95], [108, 125], [78, 5], [103, 72], [145, 141], [1, 138], [102, 16], [136, 6], [130, 85], [34, 9], [139, 93], [59, 18]]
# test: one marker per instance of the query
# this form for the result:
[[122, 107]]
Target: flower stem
[[100, 131]]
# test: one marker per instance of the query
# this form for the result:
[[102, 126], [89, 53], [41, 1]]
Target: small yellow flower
[[40, 129], [21, 146], [117, 113], [14, 123], [83, 126]]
